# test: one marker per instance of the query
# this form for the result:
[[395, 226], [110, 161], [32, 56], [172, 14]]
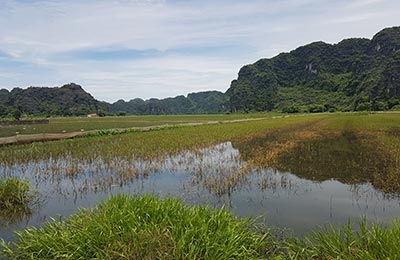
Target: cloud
[[138, 48]]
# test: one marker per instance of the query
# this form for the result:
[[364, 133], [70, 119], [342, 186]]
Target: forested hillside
[[72, 100], [68, 100]]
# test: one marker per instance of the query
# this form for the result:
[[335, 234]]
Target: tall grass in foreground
[[140, 228], [150, 228]]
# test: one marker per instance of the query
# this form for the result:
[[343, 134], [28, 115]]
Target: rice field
[[77, 124], [297, 173]]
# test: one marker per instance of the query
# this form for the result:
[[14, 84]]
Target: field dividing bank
[[77, 124]]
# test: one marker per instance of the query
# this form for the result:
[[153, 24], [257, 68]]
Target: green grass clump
[[14, 194], [140, 228], [346, 243]]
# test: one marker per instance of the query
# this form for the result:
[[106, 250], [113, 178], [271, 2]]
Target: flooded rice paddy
[[297, 179]]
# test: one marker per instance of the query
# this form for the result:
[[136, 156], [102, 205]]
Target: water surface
[[218, 176]]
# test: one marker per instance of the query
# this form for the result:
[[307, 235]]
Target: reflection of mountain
[[347, 156]]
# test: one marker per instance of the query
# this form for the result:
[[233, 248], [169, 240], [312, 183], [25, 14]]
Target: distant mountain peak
[[73, 86]]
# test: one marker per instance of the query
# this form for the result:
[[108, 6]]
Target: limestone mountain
[[73, 100], [354, 74]]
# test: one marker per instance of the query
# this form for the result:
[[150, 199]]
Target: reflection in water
[[13, 216], [217, 176]]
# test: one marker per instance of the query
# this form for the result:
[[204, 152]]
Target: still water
[[217, 176]]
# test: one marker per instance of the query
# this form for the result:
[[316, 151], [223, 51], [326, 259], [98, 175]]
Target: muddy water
[[219, 176]]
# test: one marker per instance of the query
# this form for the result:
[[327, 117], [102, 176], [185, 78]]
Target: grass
[[140, 228], [151, 228], [76, 124], [346, 243]]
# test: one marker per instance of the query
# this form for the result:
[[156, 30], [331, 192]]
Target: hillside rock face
[[354, 74]]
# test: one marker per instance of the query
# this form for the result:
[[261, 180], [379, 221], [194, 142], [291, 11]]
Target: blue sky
[[123, 49]]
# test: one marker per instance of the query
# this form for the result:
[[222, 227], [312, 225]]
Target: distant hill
[[67, 100], [72, 100], [354, 74]]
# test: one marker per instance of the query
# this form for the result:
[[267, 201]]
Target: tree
[[17, 114]]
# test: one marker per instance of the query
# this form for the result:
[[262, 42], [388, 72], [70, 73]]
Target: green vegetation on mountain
[[72, 100], [68, 100], [354, 74]]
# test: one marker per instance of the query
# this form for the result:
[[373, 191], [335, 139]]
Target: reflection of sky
[[126, 49], [285, 201]]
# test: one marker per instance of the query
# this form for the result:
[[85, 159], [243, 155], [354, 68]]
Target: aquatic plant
[[16, 200], [14, 194]]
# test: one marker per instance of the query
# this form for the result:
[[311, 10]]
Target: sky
[[125, 49]]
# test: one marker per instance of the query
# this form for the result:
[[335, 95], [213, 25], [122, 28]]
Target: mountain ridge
[[72, 100]]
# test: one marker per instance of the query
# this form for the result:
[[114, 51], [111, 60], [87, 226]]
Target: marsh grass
[[141, 228], [17, 199], [353, 149], [15, 193]]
